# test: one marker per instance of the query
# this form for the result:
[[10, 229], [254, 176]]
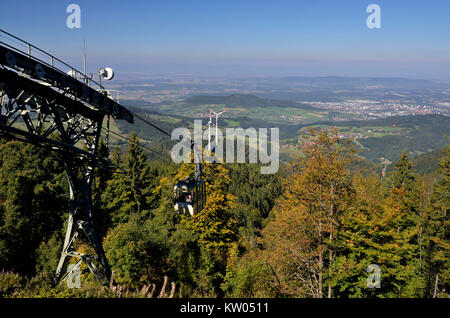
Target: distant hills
[[385, 137], [420, 134], [242, 100], [362, 82], [429, 162]]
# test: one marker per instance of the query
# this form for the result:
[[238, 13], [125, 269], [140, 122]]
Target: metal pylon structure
[[46, 102]]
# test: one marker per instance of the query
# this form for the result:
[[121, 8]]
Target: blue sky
[[254, 37]]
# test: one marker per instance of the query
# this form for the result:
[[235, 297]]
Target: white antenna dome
[[107, 73]]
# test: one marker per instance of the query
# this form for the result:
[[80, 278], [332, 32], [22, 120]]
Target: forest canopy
[[314, 229]]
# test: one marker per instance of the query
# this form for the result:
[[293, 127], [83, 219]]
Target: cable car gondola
[[190, 193], [190, 196]]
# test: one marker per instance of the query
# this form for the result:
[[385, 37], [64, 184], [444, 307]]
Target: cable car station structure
[[54, 99], [64, 110]]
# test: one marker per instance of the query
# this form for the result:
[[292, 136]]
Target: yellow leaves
[[375, 229], [164, 181], [213, 224], [350, 243], [442, 244]]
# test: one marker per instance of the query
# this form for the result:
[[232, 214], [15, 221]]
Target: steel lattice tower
[[62, 102]]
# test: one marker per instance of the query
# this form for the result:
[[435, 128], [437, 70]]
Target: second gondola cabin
[[189, 196]]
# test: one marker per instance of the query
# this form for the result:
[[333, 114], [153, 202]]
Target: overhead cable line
[[151, 124], [143, 146]]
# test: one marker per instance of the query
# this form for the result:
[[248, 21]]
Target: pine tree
[[131, 192], [404, 178], [382, 229], [437, 234], [301, 240], [33, 195], [355, 249], [406, 193], [98, 187]]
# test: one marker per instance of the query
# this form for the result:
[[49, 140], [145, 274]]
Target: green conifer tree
[[437, 234], [131, 193]]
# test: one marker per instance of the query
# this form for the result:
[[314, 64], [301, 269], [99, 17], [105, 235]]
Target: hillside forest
[[319, 228]]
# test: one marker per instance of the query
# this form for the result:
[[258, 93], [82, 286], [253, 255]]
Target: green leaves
[[316, 240], [136, 253], [33, 200]]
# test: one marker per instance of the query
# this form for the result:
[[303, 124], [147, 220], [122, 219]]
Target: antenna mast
[[84, 58], [217, 124], [209, 130]]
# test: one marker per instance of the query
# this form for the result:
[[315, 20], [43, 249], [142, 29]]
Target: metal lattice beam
[[41, 105]]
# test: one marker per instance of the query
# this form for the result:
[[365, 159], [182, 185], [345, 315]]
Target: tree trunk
[[329, 271], [320, 287], [436, 286], [331, 240]]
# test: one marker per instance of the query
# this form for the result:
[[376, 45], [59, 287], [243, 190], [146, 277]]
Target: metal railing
[[46, 58]]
